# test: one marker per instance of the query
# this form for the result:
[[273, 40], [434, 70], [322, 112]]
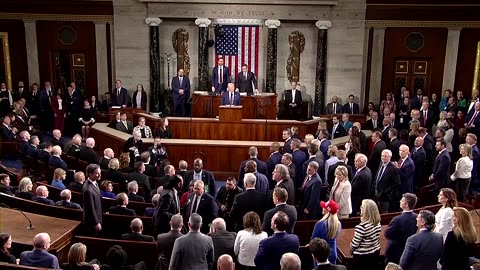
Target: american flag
[[238, 46]]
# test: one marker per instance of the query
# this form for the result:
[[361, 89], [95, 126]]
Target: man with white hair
[[290, 261], [24, 141], [223, 240], [132, 188], [56, 160], [57, 138], [134, 146], [136, 235], [362, 136], [361, 182], [202, 203], [39, 256], [42, 196], [87, 153], [387, 183], [72, 148], [108, 154], [165, 241], [66, 196], [193, 250], [249, 200]]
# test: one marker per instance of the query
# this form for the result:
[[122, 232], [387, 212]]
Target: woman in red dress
[[59, 110]]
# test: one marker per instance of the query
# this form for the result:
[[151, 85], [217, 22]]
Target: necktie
[[333, 130], [194, 206], [125, 124], [424, 118], [181, 80], [351, 108], [400, 163], [221, 75], [374, 123], [245, 75], [231, 99], [473, 119], [118, 96], [176, 202], [96, 185], [307, 179], [334, 108], [380, 174], [293, 95]]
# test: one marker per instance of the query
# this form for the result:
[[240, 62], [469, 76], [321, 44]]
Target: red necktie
[[473, 119], [424, 118], [400, 163]]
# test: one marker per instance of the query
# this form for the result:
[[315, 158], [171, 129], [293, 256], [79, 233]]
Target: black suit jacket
[[289, 98], [331, 172], [441, 169], [330, 267], [339, 131], [92, 206], [144, 100], [165, 243], [135, 198], [261, 168], [73, 150], [287, 209], [369, 124], [75, 187], [274, 159], [245, 85], [222, 197], [249, 200], [430, 119], [290, 187], [207, 178], [388, 186], [361, 188], [418, 157], [394, 146], [400, 228], [44, 201], [7, 134], [133, 236], [347, 109], [223, 242], [376, 157], [320, 170], [103, 162], [88, 154], [16, 94], [142, 181], [207, 208], [128, 129], [57, 142], [166, 208], [123, 100], [120, 210], [43, 156], [66, 204], [32, 151]]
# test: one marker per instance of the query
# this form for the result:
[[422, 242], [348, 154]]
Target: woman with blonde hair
[[328, 228], [365, 245], [58, 176], [460, 242], [444, 216], [77, 256], [25, 189], [341, 191], [248, 240], [463, 171], [124, 161], [414, 131]]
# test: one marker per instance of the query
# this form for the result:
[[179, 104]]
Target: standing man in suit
[[472, 141], [287, 137], [92, 201], [387, 183], [323, 137], [225, 197], [282, 178], [249, 200], [20, 92], [168, 205], [246, 81], [419, 156], [203, 204], [312, 150], [223, 240], [378, 147], [261, 166], [337, 129], [472, 121], [74, 105], [426, 116], [220, 77], [394, 143], [299, 157], [46, 111], [417, 100], [333, 107], [373, 122], [441, 167], [320, 250], [311, 189], [361, 183], [400, 228], [351, 107], [262, 182], [271, 249], [165, 241], [193, 250], [274, 159], [181, 93], [280, 197], [198, 173], [407, 170], [423, 249], [120, 95], [142, 180], [231, 97], [293, 102]]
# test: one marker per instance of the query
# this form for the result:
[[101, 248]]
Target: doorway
[[414, 74], [68, 66]]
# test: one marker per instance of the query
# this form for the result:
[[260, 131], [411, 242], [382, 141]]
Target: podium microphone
[[30, 225]]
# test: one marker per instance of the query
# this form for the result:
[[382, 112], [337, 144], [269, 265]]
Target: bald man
[[39, 256], [42, 194], [87, 153], [225, 262]]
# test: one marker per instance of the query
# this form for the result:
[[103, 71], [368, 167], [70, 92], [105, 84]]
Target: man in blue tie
[[387, 183], [231, 97]]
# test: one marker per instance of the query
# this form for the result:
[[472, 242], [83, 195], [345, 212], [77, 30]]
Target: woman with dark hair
[[96, 105], [86, 118], [388, 102], [139, 98], [5, 245], [59, 110], [164, 131], [248, 240], [106, 189], [370, 108], [404, 113], [444, 217], [117, 260], [354, 148]]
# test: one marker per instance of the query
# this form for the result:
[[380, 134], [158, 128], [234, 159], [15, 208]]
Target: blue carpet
[[11, 163]]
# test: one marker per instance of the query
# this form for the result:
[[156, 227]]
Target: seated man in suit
[[121, 207], [351, 107], [45, 153], [87, 153], [66, 196], [293, 102], [333, 107], [271, 249], [246, 81], [55, 160], [108, 154], [39, 256], [132, 188], [320, 252], [280, 197], [124, 125], [231, 97], [57, 138], [24, 141], [8, 133], [33, 148], [42, 195], [136, 235], [337, 130], [5, 185]]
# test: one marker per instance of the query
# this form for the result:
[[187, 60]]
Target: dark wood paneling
[[433, 50], [466, 59], [57, 7], [47, 34], [18, 51]]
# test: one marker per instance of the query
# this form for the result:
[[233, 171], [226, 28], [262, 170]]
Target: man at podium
[[231, 97]]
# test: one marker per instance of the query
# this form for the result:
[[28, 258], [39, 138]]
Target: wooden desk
[[344, 240], [254, 107], [61, 231]]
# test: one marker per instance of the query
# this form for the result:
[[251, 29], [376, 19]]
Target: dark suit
[[430, 118], [299, 158], [142, 181], [103, 162], [288, 185], [376, 157], [417, 102], [394, 146], [43, 200], [324, 147], [92, 207], [133, 236], [7, 134], [166, 208], [361, 188], [207, 178], [122, 99], [331, 172], [106, 104], [165, 243], [39, 258], [418, 157], [261, 168], [245, 84], [226, 99], [249, 200], [207, 208], [76, 187], [441, 170], [287, 209], [73, 150], [348, 109], [157, 155], [135, 198], [400, 228], [127, 129], [121, 210], [329, 108], [88, 154], [66, 204], [43, 156], [422, 251], [274, 159], [385, 130], [387, 185], [180, 100], [226, 197], [271, 249], [220, 87], [369, 125], [407, 172], [16, 95], [293, 112], [311, 197], [339, 131], [46, 111], [330, 267], [143, 105], [223, 242]]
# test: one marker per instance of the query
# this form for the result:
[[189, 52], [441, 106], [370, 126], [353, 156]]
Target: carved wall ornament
[[180, 46], [297, 44]]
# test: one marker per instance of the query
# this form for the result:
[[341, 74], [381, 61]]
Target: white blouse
[[246, 246], [444, 221], [463, 168], [59, 103]]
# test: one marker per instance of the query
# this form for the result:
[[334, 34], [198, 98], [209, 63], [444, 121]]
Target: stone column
[[321, 67], [271, 73], [451, 52], [155, 91], [203, 30], [376, 64], [102, 59], [32, 51]]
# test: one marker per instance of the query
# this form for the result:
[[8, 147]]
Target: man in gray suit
[[165, 242], [193, 250]]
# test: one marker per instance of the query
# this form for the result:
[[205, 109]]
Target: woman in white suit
[[444, 217], [341, 191], [463, 171]]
